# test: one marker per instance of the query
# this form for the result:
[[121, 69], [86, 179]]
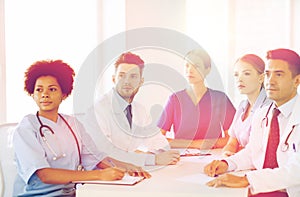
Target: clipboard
[[127, 180]]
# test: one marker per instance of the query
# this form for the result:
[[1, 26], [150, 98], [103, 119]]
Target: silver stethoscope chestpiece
[[284, 147], [80, 167]]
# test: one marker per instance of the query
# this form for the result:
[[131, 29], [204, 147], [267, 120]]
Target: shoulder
[[219, 96], [28, 123], [179, 94]]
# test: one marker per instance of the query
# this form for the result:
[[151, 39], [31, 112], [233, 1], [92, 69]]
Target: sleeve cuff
[[231, 165]]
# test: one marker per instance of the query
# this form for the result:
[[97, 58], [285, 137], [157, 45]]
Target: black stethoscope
[[285, 146], [56, 156]]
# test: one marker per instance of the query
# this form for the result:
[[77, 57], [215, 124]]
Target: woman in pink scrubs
[[199, 115]]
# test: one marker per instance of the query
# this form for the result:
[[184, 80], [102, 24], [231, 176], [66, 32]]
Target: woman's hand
[[110, 174], [129, 168]]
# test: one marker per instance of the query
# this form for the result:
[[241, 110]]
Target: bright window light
[[49, 29]]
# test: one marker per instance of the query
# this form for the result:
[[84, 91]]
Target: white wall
[[2, 66], [37, 30], [70, 30]]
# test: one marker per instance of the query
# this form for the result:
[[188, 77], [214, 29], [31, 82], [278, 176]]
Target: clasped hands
[[219, 167]]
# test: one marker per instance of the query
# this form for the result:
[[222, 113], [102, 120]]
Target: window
[[51, 29]]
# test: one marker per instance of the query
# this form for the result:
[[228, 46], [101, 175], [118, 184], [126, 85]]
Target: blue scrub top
[[32, 153]]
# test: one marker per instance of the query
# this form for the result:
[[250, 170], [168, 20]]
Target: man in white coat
[[282, 77], [121, 126]]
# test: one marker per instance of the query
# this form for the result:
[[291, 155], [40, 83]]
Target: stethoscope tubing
[[286, 145], [51, 130]]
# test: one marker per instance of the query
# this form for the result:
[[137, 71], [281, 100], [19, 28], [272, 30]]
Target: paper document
[[127, 180], [192, 152], [199, 178]]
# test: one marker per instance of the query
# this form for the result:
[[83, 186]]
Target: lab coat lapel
[[119, 115], [294, 120]]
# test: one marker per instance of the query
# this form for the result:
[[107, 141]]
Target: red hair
[[130, 58]]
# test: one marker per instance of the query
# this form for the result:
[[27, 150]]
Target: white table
[[186, 179]]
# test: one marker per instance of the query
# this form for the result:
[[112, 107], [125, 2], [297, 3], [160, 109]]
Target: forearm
[[63, 176], [282, 177]]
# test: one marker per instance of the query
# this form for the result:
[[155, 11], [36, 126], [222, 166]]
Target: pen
[[111, 163], [294, 147]]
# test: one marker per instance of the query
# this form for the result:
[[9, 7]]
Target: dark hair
[[255, 61], [287, 55], [130, 58], [198, 56], [63, 73]]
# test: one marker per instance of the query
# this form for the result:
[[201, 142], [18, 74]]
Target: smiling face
[[127, 80], [247, 78], [280, 85], [47, 94]]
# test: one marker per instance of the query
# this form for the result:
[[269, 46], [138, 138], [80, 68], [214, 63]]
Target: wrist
[[245, 180]]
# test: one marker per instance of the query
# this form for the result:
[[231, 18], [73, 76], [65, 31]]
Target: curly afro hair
[[63, 73]]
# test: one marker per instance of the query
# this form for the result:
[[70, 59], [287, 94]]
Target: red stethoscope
[[285, 146]]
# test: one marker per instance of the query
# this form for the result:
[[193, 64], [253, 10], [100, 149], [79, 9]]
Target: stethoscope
[[286, 145], [56, 156]]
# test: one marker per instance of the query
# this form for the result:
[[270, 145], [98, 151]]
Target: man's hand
[[229, 180], [216, 167]]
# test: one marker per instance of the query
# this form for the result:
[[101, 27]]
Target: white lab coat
[[107, 124], [287, 175]]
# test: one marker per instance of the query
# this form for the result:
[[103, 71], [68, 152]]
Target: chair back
[[8, 169]]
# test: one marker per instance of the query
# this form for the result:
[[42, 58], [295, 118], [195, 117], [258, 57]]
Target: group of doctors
[[121, 128]]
